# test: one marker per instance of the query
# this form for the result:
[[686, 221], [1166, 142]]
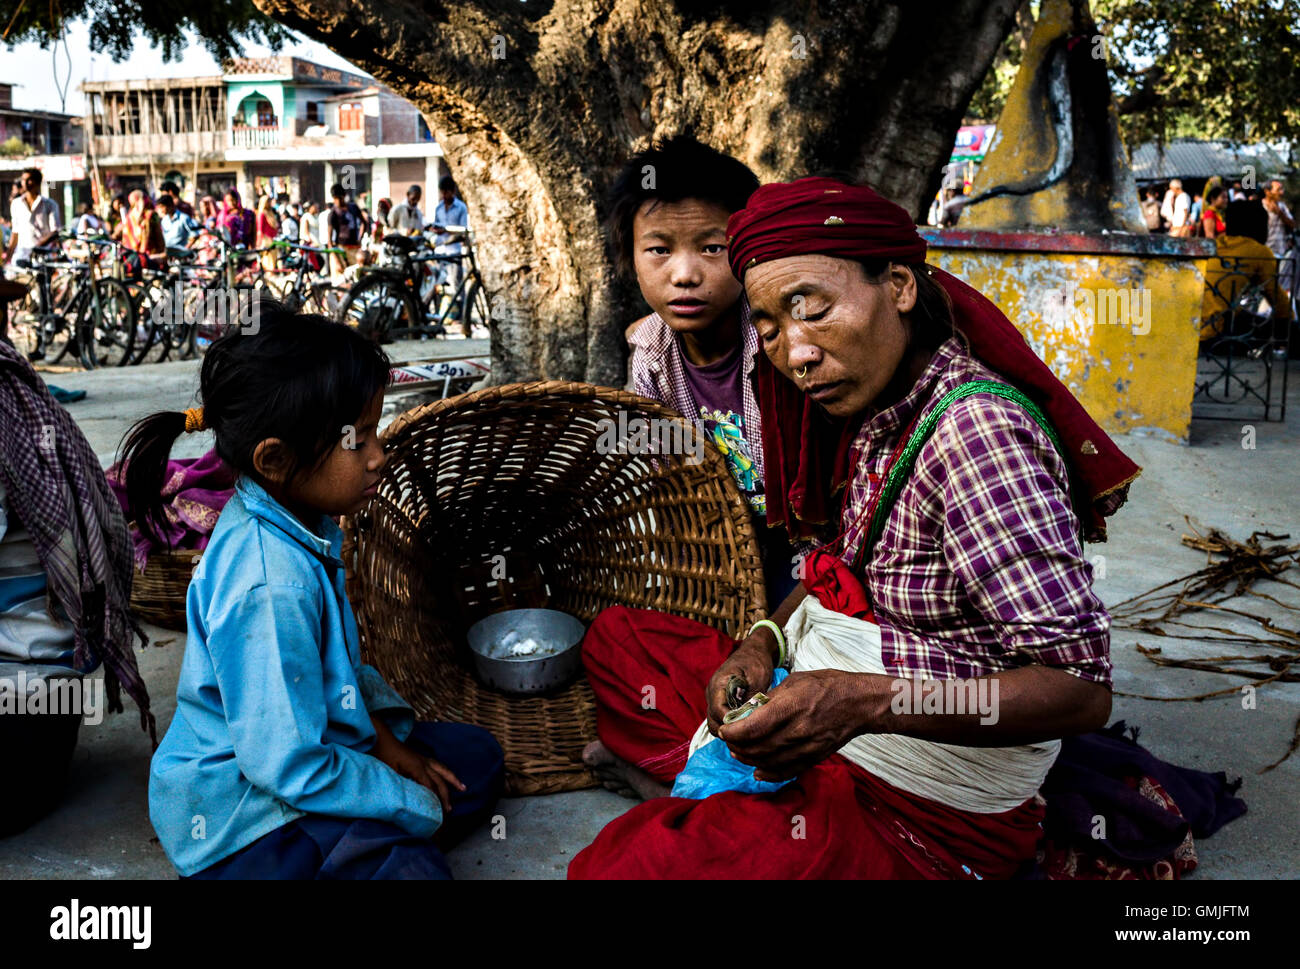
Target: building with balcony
[[267, 125], [143, 132], [48, 140]]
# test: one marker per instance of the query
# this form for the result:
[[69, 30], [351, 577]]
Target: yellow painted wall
[[1134, 374]]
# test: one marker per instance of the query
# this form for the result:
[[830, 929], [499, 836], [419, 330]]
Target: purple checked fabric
[[980, 567]]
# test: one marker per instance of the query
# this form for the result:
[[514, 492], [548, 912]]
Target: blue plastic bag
[[712, 769]]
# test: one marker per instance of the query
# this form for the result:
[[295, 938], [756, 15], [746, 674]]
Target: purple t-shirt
[[718, 395]]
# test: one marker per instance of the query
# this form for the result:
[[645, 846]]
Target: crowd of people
[[148, 226], [1179, 214]]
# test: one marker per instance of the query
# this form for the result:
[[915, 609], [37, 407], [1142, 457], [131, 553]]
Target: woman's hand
[[807, 718], [753, 661], [413, 765]]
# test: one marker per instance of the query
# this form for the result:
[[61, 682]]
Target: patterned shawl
[[55, 486]]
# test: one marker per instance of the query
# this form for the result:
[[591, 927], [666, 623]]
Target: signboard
[[307, 71], [62, 168], [972, 142]]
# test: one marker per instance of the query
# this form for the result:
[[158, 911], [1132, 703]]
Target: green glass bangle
[[780, 639]]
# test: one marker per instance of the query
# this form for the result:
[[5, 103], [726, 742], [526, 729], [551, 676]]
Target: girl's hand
[[753, 661], [414, 766]]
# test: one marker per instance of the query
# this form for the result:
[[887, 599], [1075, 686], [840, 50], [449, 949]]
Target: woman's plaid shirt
[[980, 566]]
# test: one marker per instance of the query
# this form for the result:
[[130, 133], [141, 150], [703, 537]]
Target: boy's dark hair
[[170, 187], [300, 378], [446, 184], [36, 174], [165, 201], [671, 171], [336, 192], [1247, 219]]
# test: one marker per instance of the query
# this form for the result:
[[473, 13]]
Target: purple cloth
[[195, 491], [718, 390], [1088, 781], [716, 386], [236, 222]]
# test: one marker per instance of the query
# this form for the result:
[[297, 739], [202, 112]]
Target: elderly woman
[[940, 644]]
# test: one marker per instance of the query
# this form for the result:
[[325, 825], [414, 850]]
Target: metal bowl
[[555, 662]]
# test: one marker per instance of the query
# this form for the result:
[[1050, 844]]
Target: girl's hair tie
[[194, 420]]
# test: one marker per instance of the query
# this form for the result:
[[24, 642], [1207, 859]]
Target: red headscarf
[[806, 451]]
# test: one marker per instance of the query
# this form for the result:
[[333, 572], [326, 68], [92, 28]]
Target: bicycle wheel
[[475, 309], [380, 304], [326, 299], [156, 314], [107, 332], [52, 332], [57, 329]]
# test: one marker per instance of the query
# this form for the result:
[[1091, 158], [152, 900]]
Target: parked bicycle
[[306, 285], [397, 300], [82, 313], [188, 304]]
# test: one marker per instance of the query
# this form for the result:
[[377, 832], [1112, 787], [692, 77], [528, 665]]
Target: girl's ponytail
[[143, 455]]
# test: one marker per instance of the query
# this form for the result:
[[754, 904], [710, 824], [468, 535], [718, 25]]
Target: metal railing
[[255, 136]]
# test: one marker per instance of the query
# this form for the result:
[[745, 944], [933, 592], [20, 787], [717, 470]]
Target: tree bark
[[536, 105]]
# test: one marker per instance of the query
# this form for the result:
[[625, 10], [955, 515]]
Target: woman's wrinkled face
[[837, 335]]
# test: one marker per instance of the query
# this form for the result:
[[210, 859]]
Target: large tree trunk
[[537, 104]]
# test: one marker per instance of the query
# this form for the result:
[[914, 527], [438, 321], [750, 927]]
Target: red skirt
[[649, 672]]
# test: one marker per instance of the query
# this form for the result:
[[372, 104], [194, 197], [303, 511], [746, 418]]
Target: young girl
[[287, 757]]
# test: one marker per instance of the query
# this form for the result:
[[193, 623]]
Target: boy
[[345, 225], [695, 352]]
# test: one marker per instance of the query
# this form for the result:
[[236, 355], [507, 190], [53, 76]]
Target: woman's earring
[[801, 373]]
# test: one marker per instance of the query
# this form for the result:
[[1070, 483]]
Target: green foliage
[[1210, 68], [220, 25], [1187, 68], [14, 148], [987, 102]]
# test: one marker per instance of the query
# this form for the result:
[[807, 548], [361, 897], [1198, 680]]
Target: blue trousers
[[319, 848]]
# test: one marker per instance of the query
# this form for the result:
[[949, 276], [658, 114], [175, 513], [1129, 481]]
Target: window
[[351, 116], [313, 112], [265, 119]]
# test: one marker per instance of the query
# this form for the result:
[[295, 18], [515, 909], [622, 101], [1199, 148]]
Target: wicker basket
[[158, 593], [501, 498]]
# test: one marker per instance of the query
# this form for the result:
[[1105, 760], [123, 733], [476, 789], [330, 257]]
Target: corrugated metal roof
[[1193, 158]]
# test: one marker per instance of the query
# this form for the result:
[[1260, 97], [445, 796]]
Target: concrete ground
[[102, 828]]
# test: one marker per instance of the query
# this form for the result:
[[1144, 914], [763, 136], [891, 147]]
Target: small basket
[[158, 593], [506, 497]]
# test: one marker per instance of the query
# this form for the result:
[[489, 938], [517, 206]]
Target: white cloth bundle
[[982, 780]]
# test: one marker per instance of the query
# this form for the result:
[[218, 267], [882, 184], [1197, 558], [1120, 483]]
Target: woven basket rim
[[533, 388]]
